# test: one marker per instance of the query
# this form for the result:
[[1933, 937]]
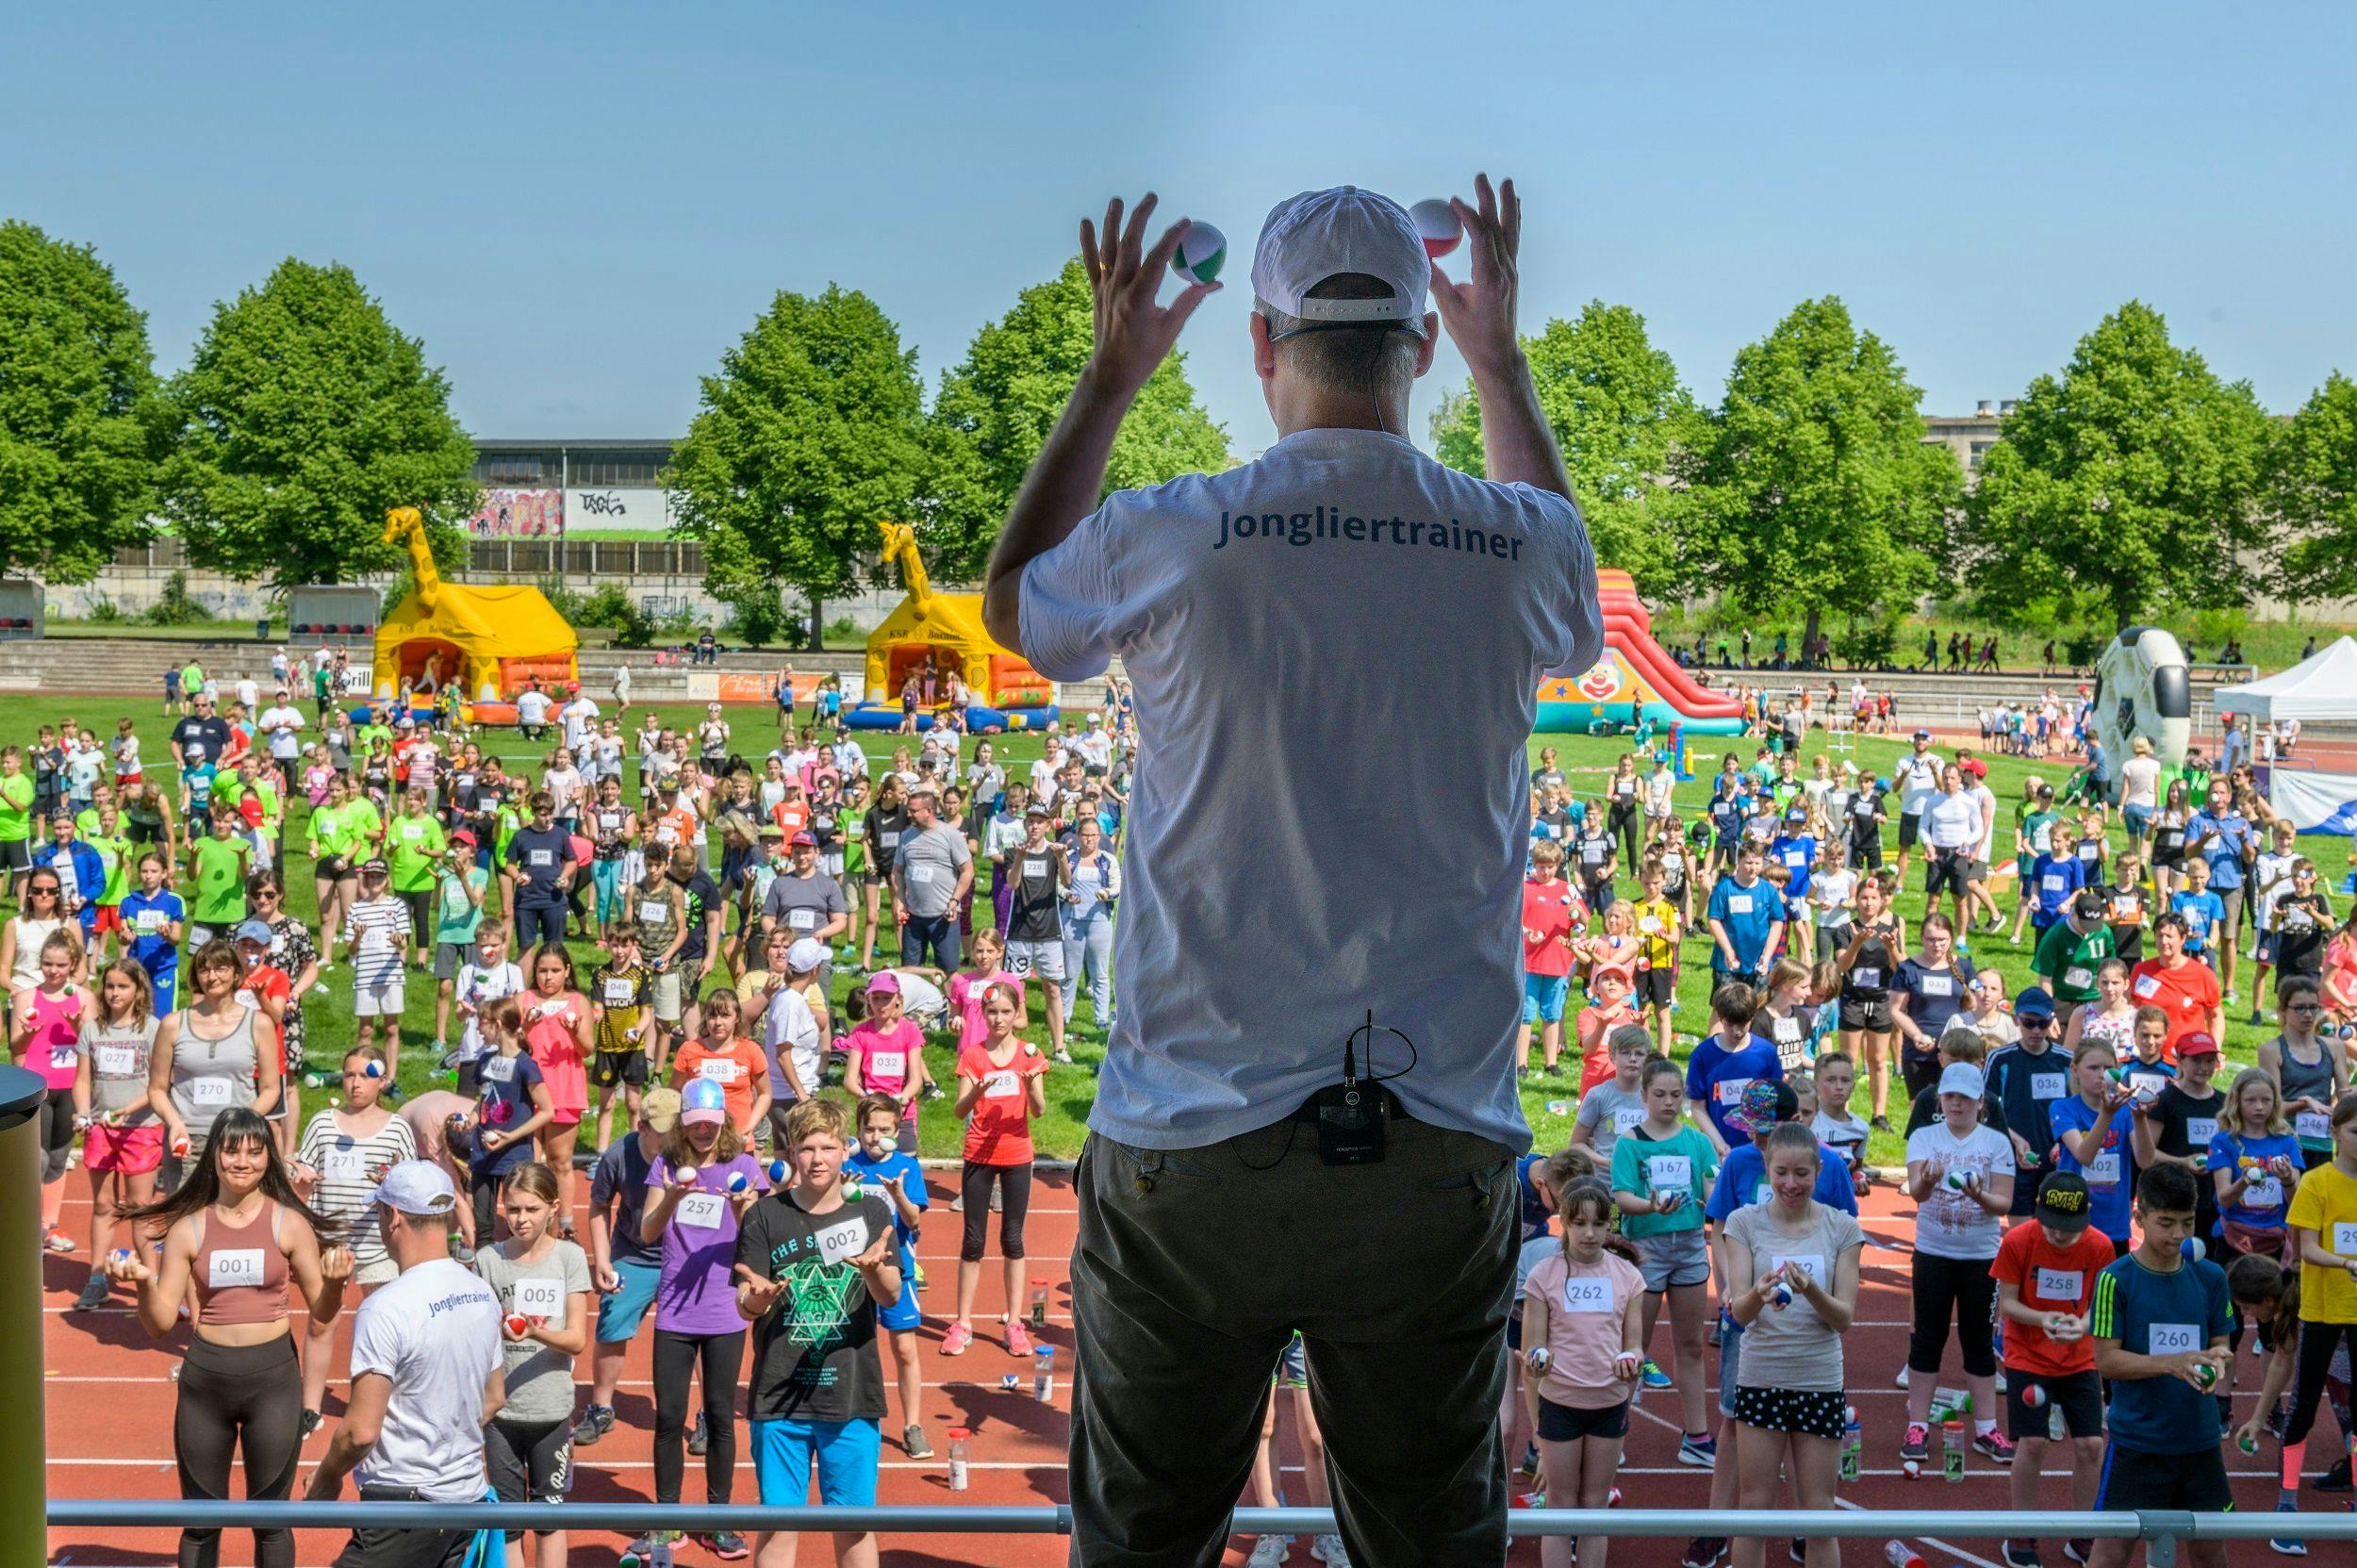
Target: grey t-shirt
[[539, 1379], [1607, 1111], [1791, 1347], [801, 905], [927, 867]]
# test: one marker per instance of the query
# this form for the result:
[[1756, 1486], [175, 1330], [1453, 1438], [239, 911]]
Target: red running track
[[110, 1402]]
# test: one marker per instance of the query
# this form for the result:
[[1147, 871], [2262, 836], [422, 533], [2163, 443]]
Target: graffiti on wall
[[520, 515]]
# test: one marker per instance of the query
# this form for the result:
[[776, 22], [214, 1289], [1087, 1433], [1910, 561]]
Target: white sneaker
[[1900, 1380], [1267, 1552], [1328, 1549]]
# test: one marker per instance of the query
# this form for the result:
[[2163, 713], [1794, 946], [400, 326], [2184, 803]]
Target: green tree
[[1814, 489], [2314, 489], [811, 433], [2127, 485], [997, 407], [303, 417], [80, 419], [1618, 411]]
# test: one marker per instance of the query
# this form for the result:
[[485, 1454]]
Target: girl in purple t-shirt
[[692, 1211]]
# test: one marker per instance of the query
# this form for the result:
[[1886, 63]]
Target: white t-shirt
[[1229, 633], [280, 723], [531, 708], [435, 1332], [792, 1026], [1918, 780], [2140, 782], [1952, 1224], [581, 720]]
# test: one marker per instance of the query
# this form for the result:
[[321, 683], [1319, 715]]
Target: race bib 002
[[842, 1242]]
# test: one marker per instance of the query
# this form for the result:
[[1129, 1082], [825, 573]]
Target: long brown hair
[[201, 1189]]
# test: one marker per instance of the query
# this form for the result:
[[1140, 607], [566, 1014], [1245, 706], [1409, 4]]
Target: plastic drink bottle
[[958, 1439], [1039, 1303], [1852, 1446], [1952, 1446], [1899, 1554], [1044, 1374]]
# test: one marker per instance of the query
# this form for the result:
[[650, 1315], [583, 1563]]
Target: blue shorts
[[619, 1315], [904, 1314], [848, 1452], [1544, 996]]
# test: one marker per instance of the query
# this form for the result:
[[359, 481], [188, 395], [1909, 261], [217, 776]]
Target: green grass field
[[1584, 760]]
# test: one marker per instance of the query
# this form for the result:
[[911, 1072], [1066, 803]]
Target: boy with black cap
[[2046, 1270], [2071, 951]]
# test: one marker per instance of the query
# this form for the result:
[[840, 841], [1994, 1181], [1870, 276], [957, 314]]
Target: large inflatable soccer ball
[[2142, 688]]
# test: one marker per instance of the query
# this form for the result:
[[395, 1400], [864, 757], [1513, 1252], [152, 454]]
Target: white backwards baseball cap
[[1311, 236]]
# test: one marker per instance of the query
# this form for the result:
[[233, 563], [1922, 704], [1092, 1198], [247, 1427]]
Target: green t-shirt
[[16, 808], [369, 734], [219, 899], [456, 917], [508, 821], [2037, 831], [1642, 1165], [323, 685], [192, 680], [854, 846], [2068, 960], [116, 853], [367, 826], [411, 843]]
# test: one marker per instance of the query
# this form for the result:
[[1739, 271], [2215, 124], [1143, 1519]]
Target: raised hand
[[760, 1292], [1134, 334], [1479, 313]]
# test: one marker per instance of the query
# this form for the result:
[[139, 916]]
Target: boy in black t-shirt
[[809, 1269]]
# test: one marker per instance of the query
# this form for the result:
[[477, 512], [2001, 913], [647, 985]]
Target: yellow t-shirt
[[2326, 1202], [1661, 949]]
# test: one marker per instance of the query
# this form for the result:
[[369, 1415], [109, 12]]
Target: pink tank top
[[54, 1051], [240, 1272]]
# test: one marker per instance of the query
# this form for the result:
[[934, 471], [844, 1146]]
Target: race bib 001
[[2172, 1339], [538, 1298], [234, 1266], [2060, 1284], [1587, 1296]]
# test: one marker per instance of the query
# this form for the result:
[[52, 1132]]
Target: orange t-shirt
[[2050, 1279], [733, 1066], [1596, 1025]]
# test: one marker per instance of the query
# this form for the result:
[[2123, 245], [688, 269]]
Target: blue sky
[[578, 207]]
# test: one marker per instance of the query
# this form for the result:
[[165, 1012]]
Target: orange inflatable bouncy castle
[[1633, 679]]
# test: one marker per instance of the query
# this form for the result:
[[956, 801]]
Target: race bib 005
[[539, 1298]]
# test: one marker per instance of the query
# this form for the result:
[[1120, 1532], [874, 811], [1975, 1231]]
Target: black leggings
[[675, 1359], [420, 904], [1961, 1288], [56, 1135], [232, 1397], [1620, 820], [2317, 1341], [974, 1186]]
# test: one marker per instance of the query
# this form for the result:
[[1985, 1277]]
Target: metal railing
[[2160, 1531]]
